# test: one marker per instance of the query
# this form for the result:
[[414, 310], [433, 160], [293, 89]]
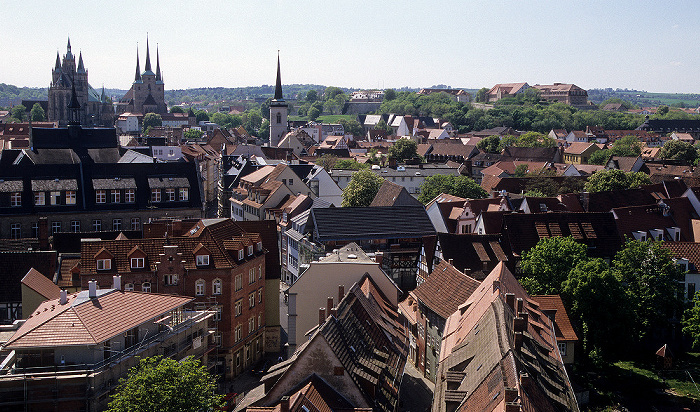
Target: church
[[96, 108], [147, 93]]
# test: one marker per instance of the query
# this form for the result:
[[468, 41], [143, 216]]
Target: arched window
[[216, 287], [279, 117], [129, 287], [146, 287], [199, 287]]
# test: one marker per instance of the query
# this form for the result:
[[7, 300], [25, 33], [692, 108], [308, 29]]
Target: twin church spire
[[147, 67]]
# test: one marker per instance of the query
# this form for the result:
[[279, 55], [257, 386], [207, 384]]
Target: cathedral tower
[[278, 111]]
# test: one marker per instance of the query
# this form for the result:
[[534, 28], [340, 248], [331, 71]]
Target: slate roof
[[445, 289], [85, 321], [363, 223], [598, 231], [606, 201], [41, 284]]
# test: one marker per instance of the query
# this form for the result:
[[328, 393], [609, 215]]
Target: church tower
[[147, 93], [278, 112]]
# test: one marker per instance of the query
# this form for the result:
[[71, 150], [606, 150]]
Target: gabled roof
[[445, 289], [579, 148], [41, 284], [606, 201], [85, 321], [553, 306], [391, 194], [472, 253], [542, 154], [644, 218], [358, 223]]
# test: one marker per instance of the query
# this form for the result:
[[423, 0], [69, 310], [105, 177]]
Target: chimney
[[341, 292], [519, 307], [117, 282], [379, 257], [511, 394], [451, 262], [512, 407], [321, 316], [329, 305], [525, 317], [518, 341], [92, 286], [43, 233], [334, 312], [519, 324], [284, 404], [64, 297], [510, 300], [496, 285]]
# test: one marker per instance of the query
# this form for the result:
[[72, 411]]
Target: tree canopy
[[678, 150], [192, 134], [546, 266], [164, 384], [491, 144], [177, 109], [691, 321], [404, 149], [615, 179], [461, 186], [37, 113], [151, 120], [361, 189], [18, 114]]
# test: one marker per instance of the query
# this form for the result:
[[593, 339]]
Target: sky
[[643, 45]]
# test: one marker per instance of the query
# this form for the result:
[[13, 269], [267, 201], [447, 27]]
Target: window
[[104, 264], [170, 279], [291, 182], [279, 117], [251, 325], [251, 276], [259, 295], [251, 300], [259, 320], [135, 223], [70, 197], [237, 333], [217, 339], [691, 291], [35, 229], [200, 287], [240, 254], [155, 195], [184, 194], [146, 286], [15, 231], [55, 227], [250, 250], [75, 226], [170, 195], [239, 307], [16, 199], [100, 196], [116, 224], [259, 246], [39, 198], [129, 287], [239, 284], [130, 195], [217, 313], [259, 271], [96, 225], [138, 263], [202, 260], [115, 196], [562, 348], [216, 287]]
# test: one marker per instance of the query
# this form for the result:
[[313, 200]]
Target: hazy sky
[[644, 45]]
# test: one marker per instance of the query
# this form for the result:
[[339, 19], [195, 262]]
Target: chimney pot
[[64, 297], [321, 316], [329, 305], [451, 261], [92, 289], [341, 292]]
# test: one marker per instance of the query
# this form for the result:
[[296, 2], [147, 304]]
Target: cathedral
[[95, 108], [147, 93]]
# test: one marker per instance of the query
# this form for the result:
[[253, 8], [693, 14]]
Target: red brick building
[[213, 260]]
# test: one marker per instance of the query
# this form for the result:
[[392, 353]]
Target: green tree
[[252, 120], [546, 266], [264, 130], [491, 144], [164, 384], [521, 170], [609, 180], [653, 284], [404, 149], [662, 110], [202, 116], [599, 307], [691, 321], [351, 126], [678, 150], [350, 164], [311, 96], [37, 113], [331, 92], [628, 146], [600, 157], [361, 189], [18, 113], [177, 109], [328, 161], [313, 113], [482, 95], [389, 94], [461, 186], [151, 120], [193, 134], [381, 125]]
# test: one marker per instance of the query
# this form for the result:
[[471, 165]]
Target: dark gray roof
[[358, 223], [163, 182], [115, 183], [54, 184], [11, 186]]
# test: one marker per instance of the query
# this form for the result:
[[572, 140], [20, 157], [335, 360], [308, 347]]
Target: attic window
[[259, 246], [137, 263], [250, 250], [202, 260], [240, 254], [104, 264]]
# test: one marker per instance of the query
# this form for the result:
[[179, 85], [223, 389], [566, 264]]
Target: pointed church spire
[[278, 85], [69, 54], [68, 44], [81, 68], [147, 68], [74, 107], [158, 78], [58, 61], [138, 71]]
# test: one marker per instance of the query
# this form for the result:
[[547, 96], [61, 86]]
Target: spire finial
[[147, 67], [138, 71], [278, 84], [68, 44], [158, 76]]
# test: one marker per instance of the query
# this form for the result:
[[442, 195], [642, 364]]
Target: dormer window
[[16, 199], [104, 264], [138, 263], [202, 260], [259, 246], [250, 250], [240, 254]]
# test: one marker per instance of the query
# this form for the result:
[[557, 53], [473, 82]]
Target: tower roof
[[278, 84], [158, 76], [137, 78], [147, 68], [81, 68], [58, 61], [69, 54], [74, 104]]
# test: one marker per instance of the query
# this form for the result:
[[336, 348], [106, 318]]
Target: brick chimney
[[511, 394], [329, 306], [519, 305], [341, 292], [510, 301], [284, 404], [43, 233], [512, 407], [321, 316]]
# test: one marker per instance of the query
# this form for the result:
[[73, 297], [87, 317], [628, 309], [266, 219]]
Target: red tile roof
[[562, 325], [41, 284], [445, 289]]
